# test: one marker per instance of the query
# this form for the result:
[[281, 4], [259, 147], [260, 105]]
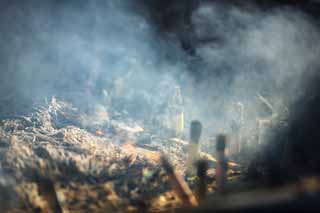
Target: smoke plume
[[77, 49]]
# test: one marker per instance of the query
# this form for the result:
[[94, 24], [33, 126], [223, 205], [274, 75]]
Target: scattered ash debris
[[56, 161]]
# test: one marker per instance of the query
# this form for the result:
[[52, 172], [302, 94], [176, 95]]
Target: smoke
[[77, 49], [254, 52]]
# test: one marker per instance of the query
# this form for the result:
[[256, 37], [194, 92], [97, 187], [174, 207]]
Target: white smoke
[[77, 48], [255, 52]]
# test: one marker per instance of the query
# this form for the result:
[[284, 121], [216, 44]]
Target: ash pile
[[61, 159]]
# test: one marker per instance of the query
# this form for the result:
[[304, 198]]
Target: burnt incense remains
[[195, 134], [202, 167], [222, 166]]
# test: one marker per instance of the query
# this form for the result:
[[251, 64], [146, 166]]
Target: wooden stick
[[180, 187], [266, 102]]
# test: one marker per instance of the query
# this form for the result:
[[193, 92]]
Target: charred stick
[[222, 166], [47, 190], [202, 167]]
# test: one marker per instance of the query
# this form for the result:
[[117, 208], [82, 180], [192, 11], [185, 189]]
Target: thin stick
[[195, 134], [202, 167], [180, 187], [222, 166]]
